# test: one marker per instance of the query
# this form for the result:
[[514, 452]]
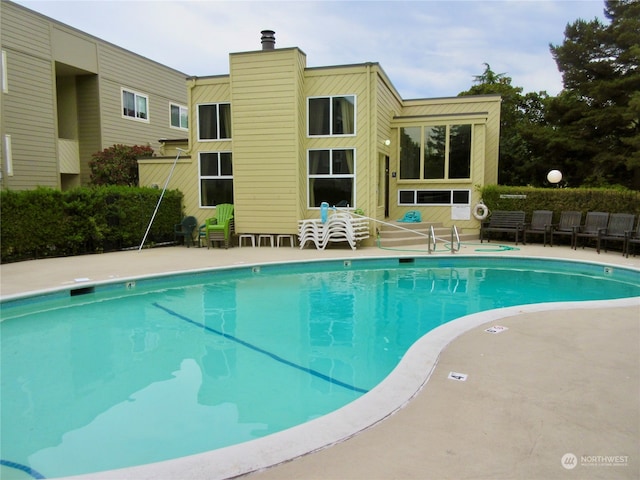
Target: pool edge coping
[[130, 278]]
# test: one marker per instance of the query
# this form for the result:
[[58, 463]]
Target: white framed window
[[135, 105], [331, 116], [5, 77], [434, 197], [214, 121], [179, 116], [331, 177], [216, 178], [435, 152]]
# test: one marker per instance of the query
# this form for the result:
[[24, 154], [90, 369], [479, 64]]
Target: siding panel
[[14, 22], [32, 122], [265, 88]]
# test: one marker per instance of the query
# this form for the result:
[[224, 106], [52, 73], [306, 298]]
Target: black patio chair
[[618, 230], [569, 221], [541, 221], [593, 224], [632, 239]]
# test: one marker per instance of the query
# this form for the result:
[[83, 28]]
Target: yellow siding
[[388, 105], [185, 176], [345, 81], [302, 136], [154, 172], [265, 91], [268, 92]]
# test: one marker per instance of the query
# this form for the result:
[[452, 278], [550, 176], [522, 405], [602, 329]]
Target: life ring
[[480, 211]]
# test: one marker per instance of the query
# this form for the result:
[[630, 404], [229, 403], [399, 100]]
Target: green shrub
[[118, 165], [498, 197], [47, 222]]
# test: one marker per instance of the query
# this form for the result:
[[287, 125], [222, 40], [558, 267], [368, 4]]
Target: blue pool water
[[148, 370]]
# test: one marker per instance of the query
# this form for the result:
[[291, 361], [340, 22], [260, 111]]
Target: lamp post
[[554, 177]]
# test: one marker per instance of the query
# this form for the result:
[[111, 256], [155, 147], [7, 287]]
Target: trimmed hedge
[[49, 223], [498, 197]]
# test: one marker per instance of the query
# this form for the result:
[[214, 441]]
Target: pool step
[[400, 234]]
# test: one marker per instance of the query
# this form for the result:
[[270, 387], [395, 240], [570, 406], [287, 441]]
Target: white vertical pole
[[160, 199]]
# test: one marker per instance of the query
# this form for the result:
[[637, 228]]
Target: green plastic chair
[[220, 227]]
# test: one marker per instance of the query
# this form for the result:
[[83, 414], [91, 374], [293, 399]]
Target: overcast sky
[[427, 48]]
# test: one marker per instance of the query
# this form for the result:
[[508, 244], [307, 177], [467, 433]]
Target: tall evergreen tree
[[519, 114], [596, 118]]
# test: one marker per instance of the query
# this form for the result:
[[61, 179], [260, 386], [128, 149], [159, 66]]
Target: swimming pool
[[193, 332]]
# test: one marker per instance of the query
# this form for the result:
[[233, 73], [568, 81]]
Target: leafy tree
[[596, 118], [519, 114], [117, 165]]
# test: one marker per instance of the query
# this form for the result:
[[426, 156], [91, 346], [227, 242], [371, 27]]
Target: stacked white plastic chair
[[360, 227], [339, 227], [310, 231]]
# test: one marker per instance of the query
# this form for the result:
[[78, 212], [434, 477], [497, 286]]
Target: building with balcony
[[66, 95]]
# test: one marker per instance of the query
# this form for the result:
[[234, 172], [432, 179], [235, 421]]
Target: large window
[[214, 121], [331, 116], [135, 105], [435, 152], [179, 116], [331, 177], [216, 178], [434, 197]]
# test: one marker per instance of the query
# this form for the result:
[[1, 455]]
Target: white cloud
[[428, 48]]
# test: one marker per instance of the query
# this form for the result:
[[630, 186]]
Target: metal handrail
[[455, 236], [432, 235]]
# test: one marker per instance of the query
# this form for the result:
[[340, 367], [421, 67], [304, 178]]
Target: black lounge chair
[[540, 225], [569, 222], [593, 224], [618, 230]]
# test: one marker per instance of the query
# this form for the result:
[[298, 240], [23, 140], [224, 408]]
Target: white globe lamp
[[554, 176]]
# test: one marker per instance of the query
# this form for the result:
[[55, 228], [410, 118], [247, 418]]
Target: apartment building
[[66, 95]]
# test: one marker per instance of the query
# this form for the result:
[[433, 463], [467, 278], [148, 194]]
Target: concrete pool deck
[[557, 382]]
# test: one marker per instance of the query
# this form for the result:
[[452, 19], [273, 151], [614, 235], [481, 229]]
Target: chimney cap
[[268, 39]]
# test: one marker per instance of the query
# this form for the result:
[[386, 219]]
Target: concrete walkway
[[559, 382]]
